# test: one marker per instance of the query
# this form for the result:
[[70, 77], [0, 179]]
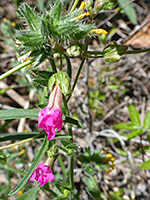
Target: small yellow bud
[[109, 155], [82, 6], [108, 171], [82, 16], [13, 24], [21, 152], [112, 159], [99, 31], [20, 192]]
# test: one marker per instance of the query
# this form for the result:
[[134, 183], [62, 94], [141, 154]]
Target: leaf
[[17, 136], [63, 137], [129, 10], [147, 120], [126, 126], [134, 116], [32, 168], [18, 113], [72, 121], [31, 17], [145, 165], [30, 195], [135, 133], [43, 74]]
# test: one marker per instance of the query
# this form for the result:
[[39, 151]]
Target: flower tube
[[50, 117]]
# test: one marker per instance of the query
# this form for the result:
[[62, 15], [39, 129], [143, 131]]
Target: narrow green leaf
[[72, 121], [43, 74], [18, 113], [135, 133], [147, 120], [145, 165], [69, 69], [129, 10], [32, 17], [126, 126], [32, 168], [41, 82], [17, 136], [30, 195], [134, 116], [63, 137]]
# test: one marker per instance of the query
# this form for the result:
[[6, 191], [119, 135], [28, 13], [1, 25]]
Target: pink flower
[[50, 117], [42, 174]]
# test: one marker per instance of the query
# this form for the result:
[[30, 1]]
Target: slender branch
[[138, 51], [77, 77], [21, 142], [17, 68]]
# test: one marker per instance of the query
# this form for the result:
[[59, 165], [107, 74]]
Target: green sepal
[[113, 52], [61, 79]]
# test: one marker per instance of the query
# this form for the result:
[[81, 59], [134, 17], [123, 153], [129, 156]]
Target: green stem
[[77, 77], [20, 142], [95, 52], [137, 51], [127, 52], [51, 60], [74, 5], [15, 69], [10, 168], [62, 165], [71, 157], [60, 61]]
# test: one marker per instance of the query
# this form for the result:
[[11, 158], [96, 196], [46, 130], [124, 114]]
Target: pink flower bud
[[50, 117], [42, 174]]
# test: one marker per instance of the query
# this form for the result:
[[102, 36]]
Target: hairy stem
[[15, 69], [21, 142]]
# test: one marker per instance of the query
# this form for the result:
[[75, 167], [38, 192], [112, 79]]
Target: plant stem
[[74, 5], [71, 157], [62, 165], [137, 51], [51, 60], [60, 61], [77, 77], [17, 68], [10, 168], [21, 142]]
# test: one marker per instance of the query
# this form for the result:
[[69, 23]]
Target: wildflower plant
[[43, 36]]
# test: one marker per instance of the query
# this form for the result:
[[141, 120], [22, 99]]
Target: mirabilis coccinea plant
[[44, 36]]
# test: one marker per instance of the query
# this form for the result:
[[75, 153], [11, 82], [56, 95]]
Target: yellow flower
[[20, 192], [82, 6], [21, 152], [82, 16], [99, 31], [13, 24]]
